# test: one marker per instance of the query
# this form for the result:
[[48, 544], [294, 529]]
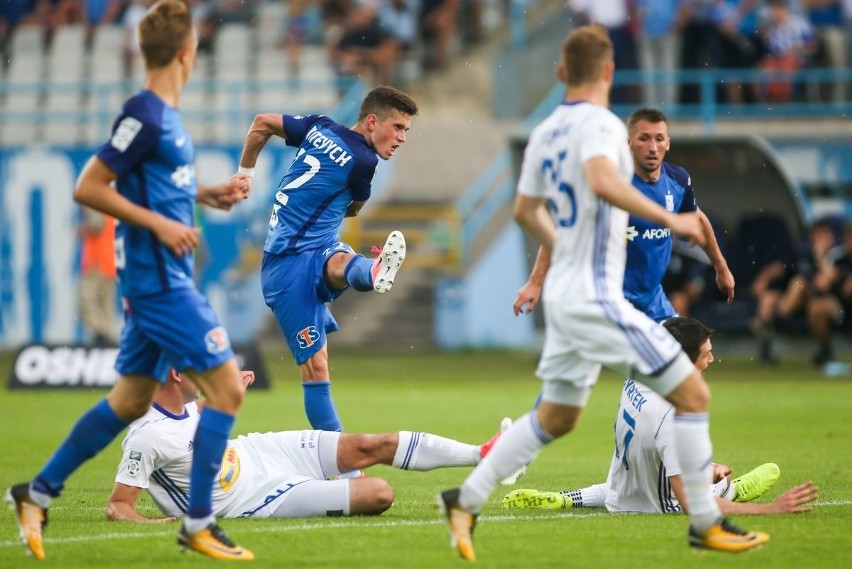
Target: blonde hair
[[585, 53]]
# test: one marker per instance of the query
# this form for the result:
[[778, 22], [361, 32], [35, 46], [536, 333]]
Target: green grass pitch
[[788, 414]]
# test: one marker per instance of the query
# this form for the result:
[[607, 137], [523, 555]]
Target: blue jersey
[[334, 166], [649, 245], [151, 153]]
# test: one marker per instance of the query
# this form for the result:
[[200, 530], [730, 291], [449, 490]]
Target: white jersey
[[644, 458], [588, 322], [590, 252], [257, 470]]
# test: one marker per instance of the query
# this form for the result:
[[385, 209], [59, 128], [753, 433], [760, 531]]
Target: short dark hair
[[163, 30], [690, 333], [383, 99], [648, 114]]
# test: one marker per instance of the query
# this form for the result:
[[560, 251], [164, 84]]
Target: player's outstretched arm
[[262, 128], [226, 195], [122, 506], [795, 500], [724, 276], [607, 183], [94, 189]]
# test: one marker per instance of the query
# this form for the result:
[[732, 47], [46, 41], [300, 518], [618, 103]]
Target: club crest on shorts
[[216, 340], [230, 469], [307, 337]]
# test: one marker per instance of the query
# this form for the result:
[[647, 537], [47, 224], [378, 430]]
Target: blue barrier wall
[[39, 251]]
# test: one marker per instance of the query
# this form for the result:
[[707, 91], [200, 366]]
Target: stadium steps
[[429, 229], [402, 318]]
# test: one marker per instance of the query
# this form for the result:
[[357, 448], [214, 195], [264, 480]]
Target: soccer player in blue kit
[[649, 245], [144, 176], [305, 265]]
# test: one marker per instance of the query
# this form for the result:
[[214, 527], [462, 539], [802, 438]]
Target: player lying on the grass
[[281, 475], [644, 475]]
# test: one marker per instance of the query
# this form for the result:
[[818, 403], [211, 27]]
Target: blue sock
[[319, 407], [208, 447], [92, 433], [359, 273]]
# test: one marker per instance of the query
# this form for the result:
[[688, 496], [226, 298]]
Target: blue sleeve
[[361, 177], [684, 180], [296, 127], [135, 135]]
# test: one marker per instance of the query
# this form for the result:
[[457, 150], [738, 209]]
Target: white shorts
[[581, 337], [281, 464]]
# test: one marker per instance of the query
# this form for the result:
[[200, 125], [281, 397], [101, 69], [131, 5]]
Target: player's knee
[[382, 494], [370, 496], [316, 368]]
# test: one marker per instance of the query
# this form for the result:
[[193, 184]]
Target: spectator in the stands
[[12, 13], [699, 46], [297, 30], [132, 16], [739, 44], [790, 43], [617, 17], [365, 49], [438, 21], [661, 23], [97, 13], [826, 17], [400, 18]]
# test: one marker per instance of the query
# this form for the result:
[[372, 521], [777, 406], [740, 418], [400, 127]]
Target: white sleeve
[[138, 460], [665, 443], [531, 180], [600, 135]]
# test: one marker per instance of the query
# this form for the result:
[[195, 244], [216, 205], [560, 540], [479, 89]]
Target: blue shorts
[[294, 288], [175, 329], [658, 308]]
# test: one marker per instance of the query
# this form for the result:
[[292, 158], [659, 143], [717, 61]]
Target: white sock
[[425, 451], [40, 499], [724, 489], [695, 455], [591, 497], [193, 525], [516, 447]]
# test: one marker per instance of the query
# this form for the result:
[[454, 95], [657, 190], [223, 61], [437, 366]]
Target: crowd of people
[[379, 40], [777, 36], [367, 38]]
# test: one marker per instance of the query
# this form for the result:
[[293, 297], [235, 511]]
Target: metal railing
[[709, 109]]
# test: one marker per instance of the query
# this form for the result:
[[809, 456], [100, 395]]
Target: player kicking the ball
[[305, 265]]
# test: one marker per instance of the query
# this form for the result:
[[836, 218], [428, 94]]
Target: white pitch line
[[351, 524]]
